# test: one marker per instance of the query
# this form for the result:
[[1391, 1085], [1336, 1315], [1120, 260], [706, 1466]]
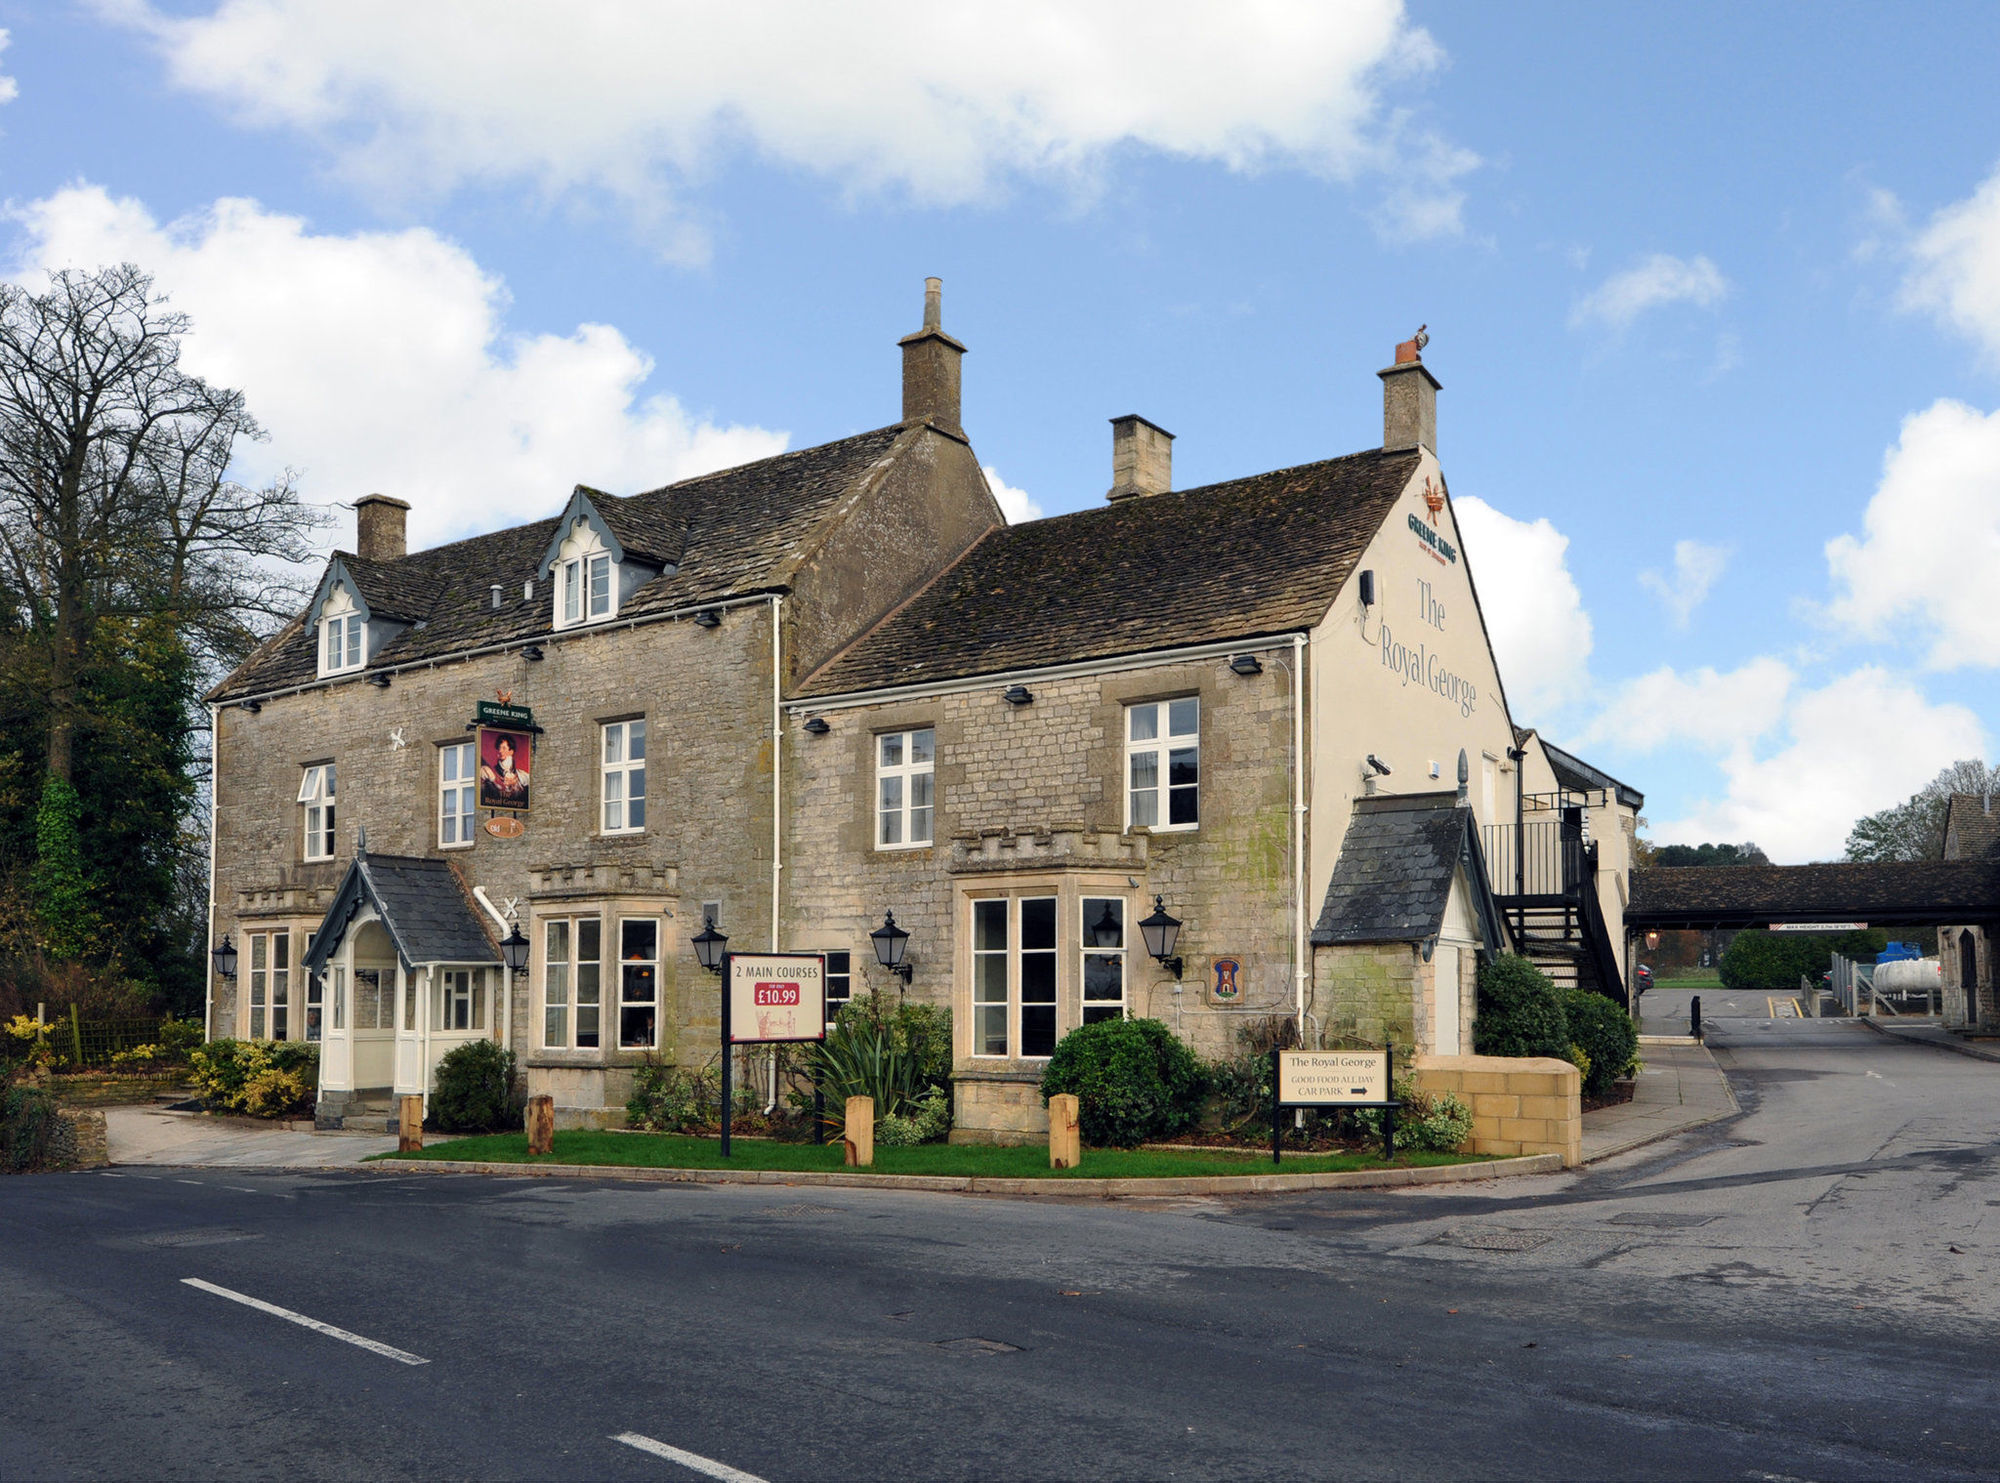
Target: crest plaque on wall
[[1225, 981]]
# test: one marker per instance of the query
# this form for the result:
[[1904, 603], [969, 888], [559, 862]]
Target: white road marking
[[692, 1460], [372, 1345]]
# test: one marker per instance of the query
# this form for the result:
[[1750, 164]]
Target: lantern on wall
[[709, 945], [225, 957], [891, 942], [1160, 933]]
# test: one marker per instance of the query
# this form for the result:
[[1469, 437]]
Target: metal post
[[1694, 1016], [728, 1079], [1277, 1109]]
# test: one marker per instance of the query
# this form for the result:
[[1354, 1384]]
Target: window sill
[[454, 848], [1162, 828], [905, 849]]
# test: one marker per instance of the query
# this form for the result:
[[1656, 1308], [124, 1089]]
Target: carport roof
[[1899, 893]]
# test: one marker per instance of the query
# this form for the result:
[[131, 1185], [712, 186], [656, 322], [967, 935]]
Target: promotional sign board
[[1332, 1078], [775, 997]]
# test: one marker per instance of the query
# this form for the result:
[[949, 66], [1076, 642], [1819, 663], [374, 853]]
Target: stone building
[[1965, 950], [798, 695]]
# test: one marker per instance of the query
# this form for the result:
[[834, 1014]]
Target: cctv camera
[[1378, 765]]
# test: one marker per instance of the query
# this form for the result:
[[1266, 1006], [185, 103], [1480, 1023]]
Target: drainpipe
[[777, 795], [214, 782], [506, 1016], [1302, 964]]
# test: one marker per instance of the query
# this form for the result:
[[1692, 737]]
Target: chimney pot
[[380, 528], [1142, 458], [931, 365]]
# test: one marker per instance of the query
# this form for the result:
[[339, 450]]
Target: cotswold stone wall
[[1527, 1104], [1372, 991], [706, 697]]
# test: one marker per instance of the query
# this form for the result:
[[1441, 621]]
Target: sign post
[[1345, 1079], [768, 999]]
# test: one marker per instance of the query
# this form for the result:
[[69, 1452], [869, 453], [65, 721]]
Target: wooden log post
[[541, 1120], [410, 1132], [1065, 1138], [860, 1132]]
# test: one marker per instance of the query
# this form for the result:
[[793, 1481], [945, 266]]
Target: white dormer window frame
[[586, 579], [343, 634]]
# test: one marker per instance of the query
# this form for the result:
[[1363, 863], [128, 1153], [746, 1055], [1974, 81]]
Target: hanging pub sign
[[506, 764], [769, 999], [1336, 1079]]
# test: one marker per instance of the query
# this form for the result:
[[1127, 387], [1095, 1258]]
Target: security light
[[817, 726], [1247, 664], [533, 653], [1381, 767], [1018, 695], [707, 618]]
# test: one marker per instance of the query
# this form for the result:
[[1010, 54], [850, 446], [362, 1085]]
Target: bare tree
[[115, 496]]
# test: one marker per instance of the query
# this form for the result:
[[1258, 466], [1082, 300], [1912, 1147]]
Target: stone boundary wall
[[1520, 1105], [87, 1134], [114, 1091]]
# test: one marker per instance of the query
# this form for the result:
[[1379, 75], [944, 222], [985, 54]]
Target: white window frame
[[616, 769], [565, 982], [905, 815], [586, 580], [636, 972], [1014, 976], [839, 970], [343, 644], [1091, 912], [462, 988], [1157, 752], [458, 795], [269, 993], [318, 792]]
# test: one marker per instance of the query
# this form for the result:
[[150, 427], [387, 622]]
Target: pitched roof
[[1393, 878], [1242, 559], [1573, 772], [733, 533], [422, 904], [1906, 892], [1971, 827]]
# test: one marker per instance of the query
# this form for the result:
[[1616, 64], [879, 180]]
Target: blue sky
[[1709, 288]]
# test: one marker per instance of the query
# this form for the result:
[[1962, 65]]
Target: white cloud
[[1861, 743], [1715, 711], [1428, 201], [381, 362], [1930, 541], [1648, 284], [1697, 568], [9, 89], [1956, 273], [1534, 613], [946, 103], [1016, 504]]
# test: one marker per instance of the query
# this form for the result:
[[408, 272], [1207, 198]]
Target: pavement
[[1932, 1033], [1807, 1290], [193, 1140], [1678, 1087]]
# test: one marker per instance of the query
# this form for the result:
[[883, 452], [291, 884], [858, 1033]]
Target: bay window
[[1014, 976], [270, 985], [572, 987], [1103, 969], [638, 983]]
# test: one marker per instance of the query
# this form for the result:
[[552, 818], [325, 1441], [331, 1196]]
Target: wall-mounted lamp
[[1368, 589], [253, 706], [533, 653], [1652, 942], [708, 618], [709, 945], [380, 680], [891, 942], [514, 950], [1247, 664], [1160, 933], [817, 726], [225, 957], [1018, 695]]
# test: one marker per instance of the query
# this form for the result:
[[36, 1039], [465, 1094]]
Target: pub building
[[1209, 756]]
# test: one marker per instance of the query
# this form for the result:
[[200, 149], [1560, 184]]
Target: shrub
[[474, 1090], [224, 1072], [1778, 960], [1519, 1013], [1133, 1081], [1427, 1122], [926, 1120], [860, 1057], [178, 1037], [1606, 1035], [672, 1099], [30, 1130], [1239, 1086]]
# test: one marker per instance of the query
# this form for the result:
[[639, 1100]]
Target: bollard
[[1694, 1016], [541, 1123], [1065, 1141], [860, 1132], [410, 1131]]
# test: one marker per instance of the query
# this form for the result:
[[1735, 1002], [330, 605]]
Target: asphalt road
[[1806, 1291]]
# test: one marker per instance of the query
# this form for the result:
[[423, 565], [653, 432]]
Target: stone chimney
[[1142, 458], [379, 527], [1409, 400], [930, 365]]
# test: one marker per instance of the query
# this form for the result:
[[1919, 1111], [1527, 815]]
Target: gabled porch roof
[[422, 904], [1393, 880]]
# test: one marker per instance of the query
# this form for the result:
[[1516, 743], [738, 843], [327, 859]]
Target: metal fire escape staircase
[[1544, 877]]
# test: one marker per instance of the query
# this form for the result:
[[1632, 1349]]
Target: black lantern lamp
[[709, 944], [1107, 931], [225, 957], [890, 942], [514, 950], [1161, 932]]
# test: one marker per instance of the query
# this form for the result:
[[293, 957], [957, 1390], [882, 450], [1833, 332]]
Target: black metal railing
[[1538, 859]]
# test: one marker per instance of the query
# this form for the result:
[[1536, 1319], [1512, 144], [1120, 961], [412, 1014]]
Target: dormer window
[[342, 634], [586, 585]]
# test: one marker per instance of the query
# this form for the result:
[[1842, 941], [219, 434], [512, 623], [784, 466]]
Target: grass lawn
[[674, 1151]]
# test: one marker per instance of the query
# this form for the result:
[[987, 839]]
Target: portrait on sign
[[506, 759]]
